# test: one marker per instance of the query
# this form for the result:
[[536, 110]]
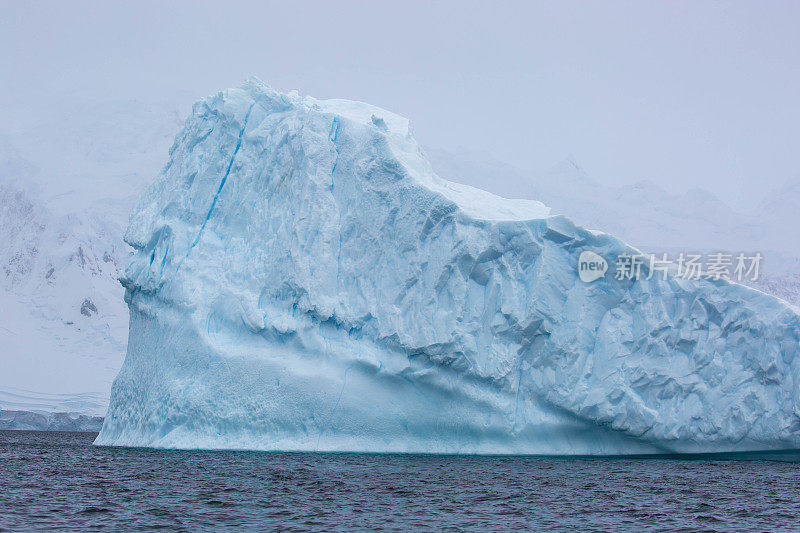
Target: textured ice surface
[[304, 281]]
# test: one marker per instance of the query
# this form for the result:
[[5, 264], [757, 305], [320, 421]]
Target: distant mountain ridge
[[34, 421], [644, 214]]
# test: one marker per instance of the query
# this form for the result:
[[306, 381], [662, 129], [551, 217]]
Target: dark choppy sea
[[61, 481]]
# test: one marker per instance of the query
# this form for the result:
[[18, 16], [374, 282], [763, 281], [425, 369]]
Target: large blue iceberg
[[304, 281]]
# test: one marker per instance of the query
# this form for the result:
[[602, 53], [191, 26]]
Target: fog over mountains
[[67, 185], [644, 214], [69, 181]]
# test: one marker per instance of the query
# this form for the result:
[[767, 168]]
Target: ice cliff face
[[304, 281]]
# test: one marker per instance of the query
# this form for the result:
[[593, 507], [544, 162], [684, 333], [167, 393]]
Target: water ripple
[[61, 481]]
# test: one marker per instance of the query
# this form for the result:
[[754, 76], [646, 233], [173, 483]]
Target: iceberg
[[303, 281]]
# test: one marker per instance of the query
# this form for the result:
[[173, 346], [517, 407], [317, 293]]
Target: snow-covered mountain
[[69, 179], [61, 307], [644, 214], [779, 215], [67, 184]]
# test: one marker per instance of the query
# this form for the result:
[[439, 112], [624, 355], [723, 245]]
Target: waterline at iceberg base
[[303, 281]]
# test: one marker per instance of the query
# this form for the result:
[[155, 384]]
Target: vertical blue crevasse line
[[332, 136], [334, 133], [224, 178]]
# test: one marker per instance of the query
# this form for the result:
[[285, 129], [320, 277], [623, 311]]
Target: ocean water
[[61, 481]]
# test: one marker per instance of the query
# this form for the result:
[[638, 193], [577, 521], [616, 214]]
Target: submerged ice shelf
[[304, 281]]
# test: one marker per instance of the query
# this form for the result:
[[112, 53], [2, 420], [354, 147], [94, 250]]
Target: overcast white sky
[[685, 94]]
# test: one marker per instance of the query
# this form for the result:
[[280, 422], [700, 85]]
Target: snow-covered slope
[[24, 400], [59, 296], [780, 210], [67, 184], [304, 281]]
